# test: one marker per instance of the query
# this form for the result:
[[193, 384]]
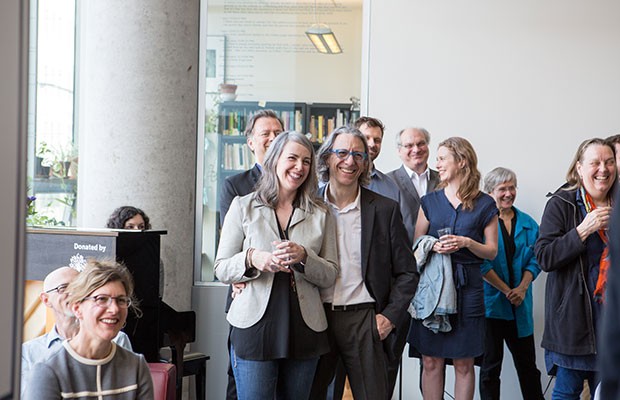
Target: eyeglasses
[[60, 288], [410, 146], [104, 301], [343, 154]]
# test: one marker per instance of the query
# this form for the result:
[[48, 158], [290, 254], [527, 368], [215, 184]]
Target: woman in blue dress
[[472, 217]]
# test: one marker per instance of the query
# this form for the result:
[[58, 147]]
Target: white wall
[[524, 81]]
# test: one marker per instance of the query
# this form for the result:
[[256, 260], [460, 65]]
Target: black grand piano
[[160, 325]]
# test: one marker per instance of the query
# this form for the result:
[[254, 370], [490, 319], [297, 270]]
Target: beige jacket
[[250, 224]]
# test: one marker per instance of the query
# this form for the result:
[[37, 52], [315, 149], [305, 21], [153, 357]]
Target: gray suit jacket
[[250, 224], [409, 197]]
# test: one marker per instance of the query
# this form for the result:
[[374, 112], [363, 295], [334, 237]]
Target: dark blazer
[[609, 347], [409, 197], [388, 266], [237, 185]]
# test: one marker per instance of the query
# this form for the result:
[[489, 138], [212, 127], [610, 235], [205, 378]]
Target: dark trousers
[[392, 365], [523, 354], [354, 337], [398, 347]]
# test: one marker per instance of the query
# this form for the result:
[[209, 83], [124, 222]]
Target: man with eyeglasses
[[66, 325], [414, 178], [377, 278]]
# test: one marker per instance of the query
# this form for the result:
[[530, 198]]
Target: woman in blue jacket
[[508, 292]]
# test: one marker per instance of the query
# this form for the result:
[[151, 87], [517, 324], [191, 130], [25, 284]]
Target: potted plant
[[59, 159], [228, 91], [42, 161]]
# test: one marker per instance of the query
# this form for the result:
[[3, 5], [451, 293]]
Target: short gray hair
[[497, 176], [427, 135], [325, 151]]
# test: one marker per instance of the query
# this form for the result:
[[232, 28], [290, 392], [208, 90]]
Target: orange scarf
[[601, 282]]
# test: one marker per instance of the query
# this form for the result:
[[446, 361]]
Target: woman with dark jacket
[[572, 248]]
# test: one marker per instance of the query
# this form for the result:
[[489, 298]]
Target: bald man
[[54, 296]]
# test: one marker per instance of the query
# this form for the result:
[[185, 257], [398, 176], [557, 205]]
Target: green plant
[[212, 115], [43, 149], [34, 218], [58, 158]]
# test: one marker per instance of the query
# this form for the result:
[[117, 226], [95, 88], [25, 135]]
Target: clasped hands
[[285, 253], [516, 296]]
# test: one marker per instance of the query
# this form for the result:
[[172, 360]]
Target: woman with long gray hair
[[280, 241]]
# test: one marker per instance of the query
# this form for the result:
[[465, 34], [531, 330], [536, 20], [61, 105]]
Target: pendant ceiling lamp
[[322, 37]]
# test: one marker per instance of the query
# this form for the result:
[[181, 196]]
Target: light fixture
[[322, 37]]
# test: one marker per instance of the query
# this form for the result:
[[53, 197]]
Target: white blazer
[[250, 224]]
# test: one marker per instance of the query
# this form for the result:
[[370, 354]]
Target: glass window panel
[[52, 152], [258, 56]]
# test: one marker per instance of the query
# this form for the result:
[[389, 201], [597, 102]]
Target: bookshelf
[[323, 118]]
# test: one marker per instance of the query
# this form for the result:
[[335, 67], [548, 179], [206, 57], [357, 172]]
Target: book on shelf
[[233, 122], [313, 129], [237, 156]]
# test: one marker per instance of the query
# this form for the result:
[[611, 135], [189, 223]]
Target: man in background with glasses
[[377, 278], [414, 178], [66, 325]]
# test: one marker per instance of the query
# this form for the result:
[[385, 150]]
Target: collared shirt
[[420, 181], [40, 348], [349, 287], [384, 185]]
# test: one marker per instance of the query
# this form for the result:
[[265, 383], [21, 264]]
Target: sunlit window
[[52, 153]]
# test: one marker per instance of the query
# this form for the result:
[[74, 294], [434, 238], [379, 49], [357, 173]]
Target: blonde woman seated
[[90, 365], [280, 241]]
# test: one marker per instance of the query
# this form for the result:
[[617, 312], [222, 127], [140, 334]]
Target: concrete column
[[136, 104]]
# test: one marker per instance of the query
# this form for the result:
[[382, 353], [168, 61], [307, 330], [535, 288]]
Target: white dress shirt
[[349, 287], [420, 181]]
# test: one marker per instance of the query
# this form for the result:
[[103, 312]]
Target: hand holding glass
[[443, 232]]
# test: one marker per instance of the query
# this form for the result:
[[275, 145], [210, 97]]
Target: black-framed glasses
[[343, 154], [60, 288], [104, 301]]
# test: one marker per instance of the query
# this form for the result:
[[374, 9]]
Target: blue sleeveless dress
[[466, 339]]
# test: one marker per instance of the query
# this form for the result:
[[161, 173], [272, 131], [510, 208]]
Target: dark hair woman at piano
[[133, 218], [280, 241], [90, 364], [128, 217]]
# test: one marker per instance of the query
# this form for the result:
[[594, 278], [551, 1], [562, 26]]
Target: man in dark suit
[[377, 278], [260, 131], [414, 178]]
